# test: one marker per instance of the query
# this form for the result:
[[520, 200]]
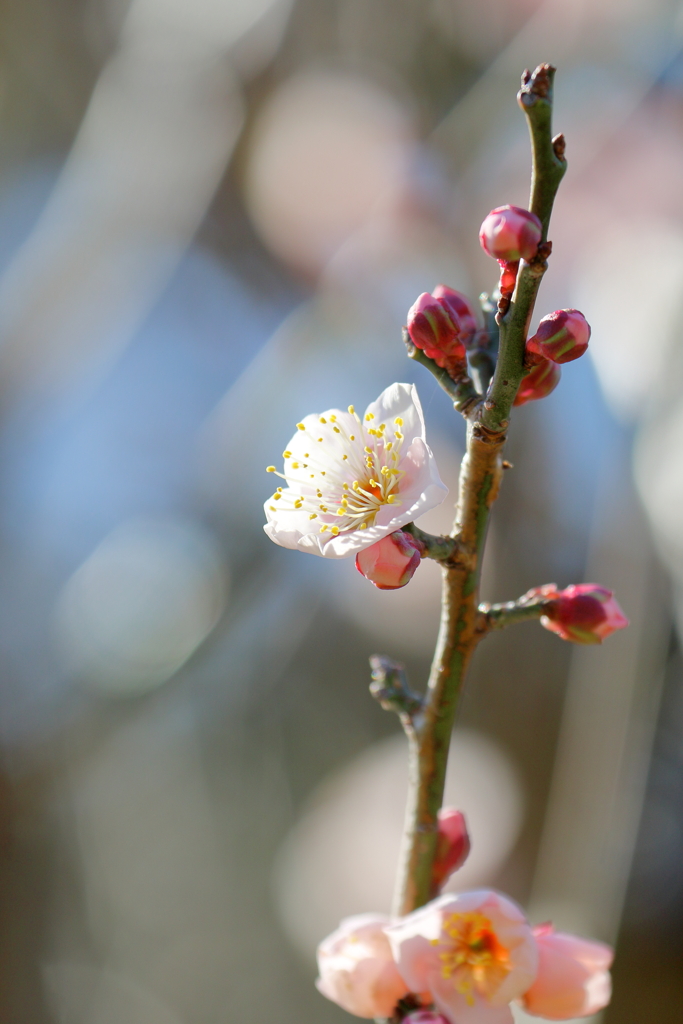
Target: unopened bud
[[425, 1017], [461, 310], [510, 233], [539, 382], [508, 276], [561, 336], [391, 562], [453, 845], [584, 613], [433, 326]]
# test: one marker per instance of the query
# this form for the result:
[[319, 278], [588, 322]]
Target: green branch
[[462, 391], [549, 165]]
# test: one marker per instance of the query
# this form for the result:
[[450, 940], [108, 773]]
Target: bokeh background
[[214, 215]]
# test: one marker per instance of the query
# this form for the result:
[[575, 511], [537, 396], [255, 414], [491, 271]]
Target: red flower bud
[[510, 233], [561, 336], [460, 308], [543, 378], [453, 845], [433, 326], [391, 562], [508, 276], [583, 613]]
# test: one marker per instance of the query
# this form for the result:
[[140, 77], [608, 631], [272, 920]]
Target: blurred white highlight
[[140, 605], [633, 330], [340, 858]]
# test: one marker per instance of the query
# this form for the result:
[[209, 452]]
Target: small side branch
[[463, 393], [446, 550], [390, 687], [498, 616]]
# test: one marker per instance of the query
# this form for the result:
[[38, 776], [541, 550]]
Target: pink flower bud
[[510, 233], [357, 969], [508, 276], [543, 378], [584, 613], [573, 976], [425, 1017], [460, 308], [453, 845], [391, 562], [434, 327], [561, 336]]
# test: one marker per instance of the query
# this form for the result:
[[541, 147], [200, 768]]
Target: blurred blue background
[[214, 216]]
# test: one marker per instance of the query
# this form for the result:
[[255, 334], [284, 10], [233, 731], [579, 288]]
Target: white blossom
[[351, 481]]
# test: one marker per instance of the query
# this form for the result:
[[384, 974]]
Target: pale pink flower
[[573, 977], [357, 969], [391, 562], [352, 481], [474, 952]]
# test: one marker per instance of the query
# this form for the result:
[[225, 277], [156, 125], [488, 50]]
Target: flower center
[[348, 471], [474, 958]]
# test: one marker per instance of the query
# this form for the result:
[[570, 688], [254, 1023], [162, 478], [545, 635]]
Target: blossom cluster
[[462, 959]]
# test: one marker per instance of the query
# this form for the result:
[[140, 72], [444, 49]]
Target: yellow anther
[[390, 499], [352, 437], [333, 419], [271, 469], [286, 455], [375, 433], [279, 489], [385, 471], [351, 410], [373, 483], [313, 515], [382, 426], [320, 438], [323, 420], [323, 473], [301, 426], [390, 445], [323, 508], [345, 487], [276, 497], [323, 528], [398, 435], [298, 504], [344, 457], [336, 430], [369, 416], [363, 526], [355, 485], [341, 512], [334, 530], [272, 508], [312, 476], [295, 465], [307, 455], [398, 421], [368, 450]]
